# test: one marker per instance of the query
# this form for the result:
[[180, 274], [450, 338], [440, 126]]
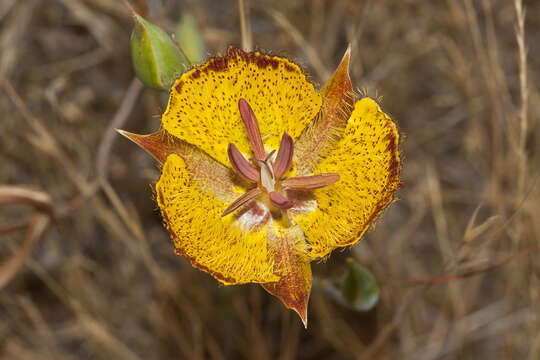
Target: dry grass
[[459, 77]]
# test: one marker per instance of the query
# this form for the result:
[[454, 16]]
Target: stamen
[[284, 155], [249, 195], [310, 182], [241, 165], [280, 201], [252, 128]]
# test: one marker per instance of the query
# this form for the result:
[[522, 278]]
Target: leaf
[[292, 264], [358, 287], [189, 37], [156, 58], [326, 129]]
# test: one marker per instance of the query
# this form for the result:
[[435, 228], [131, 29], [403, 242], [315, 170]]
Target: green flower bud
[[188, 36], [156, 59]]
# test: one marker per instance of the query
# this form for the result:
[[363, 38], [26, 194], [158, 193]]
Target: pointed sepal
[[159, 144], [337, 91], [327, 128], [293, 266]]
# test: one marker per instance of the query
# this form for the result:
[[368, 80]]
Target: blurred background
[[455, 256]]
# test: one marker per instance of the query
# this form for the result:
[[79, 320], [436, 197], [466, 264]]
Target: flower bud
[[156, 59]]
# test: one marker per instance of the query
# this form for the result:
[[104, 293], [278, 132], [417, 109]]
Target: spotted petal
[[215, 244], [203, 104], [367, 161]]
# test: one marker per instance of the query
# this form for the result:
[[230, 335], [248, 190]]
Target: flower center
[[268, 176], [268, 180]]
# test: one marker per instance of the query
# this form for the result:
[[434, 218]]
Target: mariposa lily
[[262, 173]]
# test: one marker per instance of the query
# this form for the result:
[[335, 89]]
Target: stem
[[244, 27], [520, 36]]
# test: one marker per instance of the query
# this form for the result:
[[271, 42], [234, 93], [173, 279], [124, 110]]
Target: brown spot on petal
[[289, 68], [218, 64], [178, 87], [234, 51]]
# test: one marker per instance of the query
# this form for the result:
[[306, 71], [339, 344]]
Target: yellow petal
[[203, 104], [326, 129], [291, 263], [212, 243], [367, 160]]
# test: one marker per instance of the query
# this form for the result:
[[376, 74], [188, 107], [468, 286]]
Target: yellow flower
[[262, 173]]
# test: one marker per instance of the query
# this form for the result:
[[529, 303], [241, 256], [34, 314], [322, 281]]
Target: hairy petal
[[367, 160], [291, 263], [203, 104], [322, 134], [212, 243], [216, 177]]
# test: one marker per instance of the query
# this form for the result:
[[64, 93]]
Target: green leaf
[[356, 289], [359, 288], [156, 58], [189, 37]]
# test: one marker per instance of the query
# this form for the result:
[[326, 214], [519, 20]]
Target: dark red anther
[[252, 128], [280, 201], [310, 182], [241, 165], [247, 196], [284, 156]]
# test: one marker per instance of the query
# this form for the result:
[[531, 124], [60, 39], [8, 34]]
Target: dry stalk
[[524, 93], [302, 43], [37, 224], [245, 27]]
